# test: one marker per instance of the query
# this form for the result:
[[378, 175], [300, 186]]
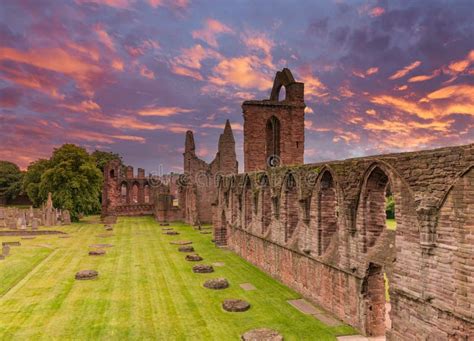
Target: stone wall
[[198, 183], [125, 194], [274, 128], [320, 229]]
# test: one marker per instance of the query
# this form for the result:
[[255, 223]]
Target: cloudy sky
[[131, 76]]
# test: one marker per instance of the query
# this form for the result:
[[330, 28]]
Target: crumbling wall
[[339, 250], [199, 181]]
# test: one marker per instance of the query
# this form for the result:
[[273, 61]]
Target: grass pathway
[[145, 290]]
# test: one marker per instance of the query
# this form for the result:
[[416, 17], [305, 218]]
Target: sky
[[132, 76]]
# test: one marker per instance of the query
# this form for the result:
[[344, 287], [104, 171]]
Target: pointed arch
[[146, 194], [124, 193], [265, 203], [272, 138], [247, 203], [289, 205], [325, 210], [135, 193]]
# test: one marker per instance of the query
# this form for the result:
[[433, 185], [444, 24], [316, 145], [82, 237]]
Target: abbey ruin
[[320, 228]]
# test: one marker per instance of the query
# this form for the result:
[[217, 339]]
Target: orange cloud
[[422, 78], [313, 87], [117, 64], [243, 72], [130, 122], [38, 82], [462, 65], [212, 29], [235, 126], [163, 111], [455, 99], [57, 60], [403, 72], [186, 72], [362, 74]]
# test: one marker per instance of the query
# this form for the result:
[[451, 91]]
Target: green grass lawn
[[391, 224], [145, 290]]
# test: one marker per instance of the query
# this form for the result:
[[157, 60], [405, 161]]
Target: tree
[[390, 207], [10, 180], [32, 181], [74, 180], [102, 158]]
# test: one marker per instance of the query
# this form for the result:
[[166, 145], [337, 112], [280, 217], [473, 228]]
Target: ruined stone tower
[[198, 189], [274, 128]]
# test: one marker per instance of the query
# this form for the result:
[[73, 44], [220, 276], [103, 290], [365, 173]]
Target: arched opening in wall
[[146, 194], [373, 292], [123, 193], [377, 212], [374, 207], [247, 204], [290, 206], [327, 211], [223, 231], [112, 174], [391, 220], [265, 204], [273, 142], [135, 194], [282, 94]]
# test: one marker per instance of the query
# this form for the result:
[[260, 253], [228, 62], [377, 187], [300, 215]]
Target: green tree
[[74, 180], [10, 180], [102, 158], [32, 181], [390, 207]]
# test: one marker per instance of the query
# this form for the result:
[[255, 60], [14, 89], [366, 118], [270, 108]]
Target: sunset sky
[[131, 76]]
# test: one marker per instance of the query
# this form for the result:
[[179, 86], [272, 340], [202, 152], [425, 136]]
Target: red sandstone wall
[[428, 260]]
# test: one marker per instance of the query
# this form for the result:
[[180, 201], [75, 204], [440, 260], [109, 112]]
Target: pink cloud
[[104, 37], [213, 28], [122, 4]]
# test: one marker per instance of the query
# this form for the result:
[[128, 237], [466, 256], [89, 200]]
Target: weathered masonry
[[124, 194], [321, 229]]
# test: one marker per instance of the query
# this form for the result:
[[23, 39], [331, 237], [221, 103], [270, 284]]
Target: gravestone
[[34, 224], [66, 217], [216, 283], [23, 221], [235, 305], [87, 274], [203, 269], [262, 334], [193, 258]]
